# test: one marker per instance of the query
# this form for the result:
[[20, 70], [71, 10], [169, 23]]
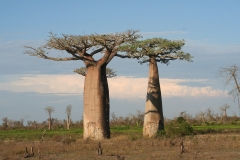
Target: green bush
[[179, 127], [160, 134]]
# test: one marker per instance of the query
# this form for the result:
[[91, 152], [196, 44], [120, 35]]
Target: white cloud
[[137, 87], [120, 87], [59, 84]]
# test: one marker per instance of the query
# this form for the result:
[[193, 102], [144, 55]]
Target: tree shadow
[[154, 95]]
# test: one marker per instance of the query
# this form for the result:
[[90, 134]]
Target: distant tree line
[[207, 117]]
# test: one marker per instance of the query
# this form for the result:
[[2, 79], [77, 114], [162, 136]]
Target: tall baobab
[[96, 92], [49, 110], [68, 111], [152, 51]]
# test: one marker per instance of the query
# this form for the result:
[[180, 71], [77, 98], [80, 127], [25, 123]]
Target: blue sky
[[29, 84]]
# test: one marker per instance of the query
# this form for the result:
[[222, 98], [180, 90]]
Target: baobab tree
[[68, 111], [96, 92], [152, 51], [49, 110], [224, 108], [231, 75]]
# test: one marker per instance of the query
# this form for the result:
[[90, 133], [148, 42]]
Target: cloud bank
[[120, 87]]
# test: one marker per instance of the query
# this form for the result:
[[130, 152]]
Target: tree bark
[[236, 82], [49, 122], [153, 119], [96, 104], [225, 112], [68, 122], [106, 99]]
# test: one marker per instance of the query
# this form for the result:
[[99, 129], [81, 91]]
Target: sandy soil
[[217, 146]]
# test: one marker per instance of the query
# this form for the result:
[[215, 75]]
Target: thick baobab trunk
[[96, 110], [153, 119], [106, 99]]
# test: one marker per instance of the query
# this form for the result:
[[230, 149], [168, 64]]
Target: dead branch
[[42, 135], [99, 150], [182, 150], [120, 158], [29, 154], [39, 155]]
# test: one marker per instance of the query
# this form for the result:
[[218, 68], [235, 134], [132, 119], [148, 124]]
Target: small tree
[[231, 76], [68, 111], [49, 110], [152, 51], [201, 116], [5, 122], [224, 108], [210, 114]]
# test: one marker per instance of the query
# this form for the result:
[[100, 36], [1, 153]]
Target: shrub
[[56, 138], [68, 140], [179, 127], [160, 134]]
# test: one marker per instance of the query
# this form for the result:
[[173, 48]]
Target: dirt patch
[[217, 146]]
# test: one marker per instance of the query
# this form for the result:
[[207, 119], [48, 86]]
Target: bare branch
[[97, 51], [230, 74], [123, 56], [39, 52], [105, 58]]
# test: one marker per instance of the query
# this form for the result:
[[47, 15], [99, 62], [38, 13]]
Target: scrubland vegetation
[[205, 136]]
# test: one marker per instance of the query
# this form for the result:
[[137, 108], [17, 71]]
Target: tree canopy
[[84, 47], [162, 50]]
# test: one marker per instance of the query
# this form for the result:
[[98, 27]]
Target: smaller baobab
[[68, 111], [224, 108], [152, 51], [49, 110]]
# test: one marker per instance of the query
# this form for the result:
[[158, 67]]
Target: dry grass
[[132, 147]]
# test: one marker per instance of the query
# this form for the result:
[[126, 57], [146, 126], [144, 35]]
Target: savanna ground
[[207, 142]]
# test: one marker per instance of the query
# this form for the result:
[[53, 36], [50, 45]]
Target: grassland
[[217, 142]]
